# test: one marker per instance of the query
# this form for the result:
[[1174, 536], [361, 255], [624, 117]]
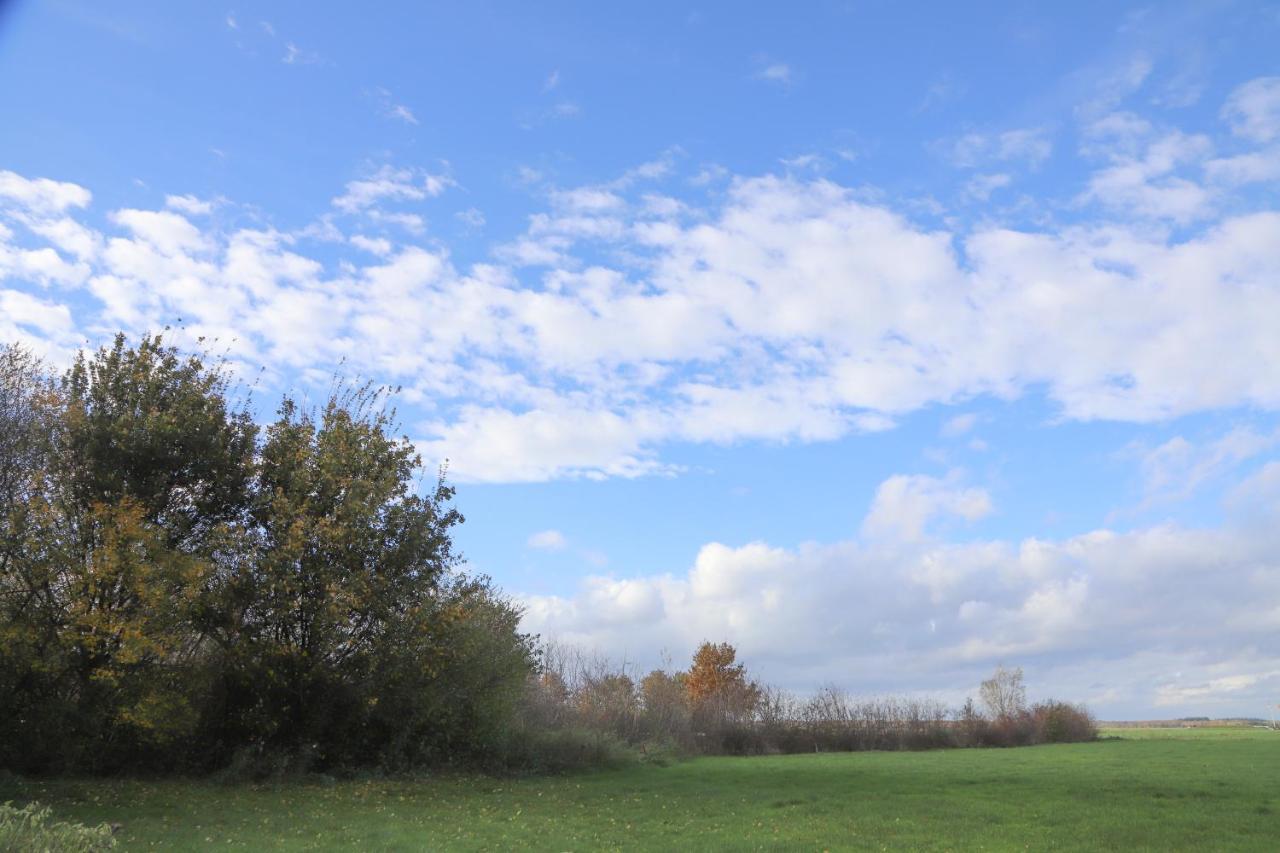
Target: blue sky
[[887, 341]]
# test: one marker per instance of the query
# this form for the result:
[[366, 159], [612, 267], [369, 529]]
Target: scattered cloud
[[389, 108], [471, 217], [1253, 110], [775, 72], [980, 187], [943, 89], [1027, 146], [1176, 469], [959, 425], [188, 204], [390, 184], [548, 540], [294, 55]]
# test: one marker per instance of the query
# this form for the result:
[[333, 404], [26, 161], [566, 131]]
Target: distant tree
[[1003, 694], [716, 684], [665, 700]]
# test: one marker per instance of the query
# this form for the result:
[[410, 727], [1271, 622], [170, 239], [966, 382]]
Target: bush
[[30, 830], [1062, 722]]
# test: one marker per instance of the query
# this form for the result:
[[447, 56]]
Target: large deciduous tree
[[133, 466], [339, 602]]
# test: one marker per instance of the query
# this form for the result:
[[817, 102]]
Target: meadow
[[1135, 789]]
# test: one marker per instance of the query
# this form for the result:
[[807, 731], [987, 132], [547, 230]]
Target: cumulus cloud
[[905, 504], [1133, 621], [42, 195]]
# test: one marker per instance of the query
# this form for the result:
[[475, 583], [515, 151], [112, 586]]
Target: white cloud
[[1254, 167], [373, 245], [472, 217], [1225, 687], [1030, 146], [1253, 110], [1142, 177], [1177, 468], [1115, 85], [552, 81], [905, 504], [403, 113], [294, 55], [776, 72], [981, 187], [548, 540], [47, 319], [1158, 618], [390, 184], [188, 204], [390, 108], [959, 425], [166, 232], [42, 196]]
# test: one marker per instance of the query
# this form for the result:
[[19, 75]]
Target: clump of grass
[[31, 829]]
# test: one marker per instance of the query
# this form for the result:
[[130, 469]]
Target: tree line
[[182, 588]]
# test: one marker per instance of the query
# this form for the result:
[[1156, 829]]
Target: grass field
[[1149, 789]]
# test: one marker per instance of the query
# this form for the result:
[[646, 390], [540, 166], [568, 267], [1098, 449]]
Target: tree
[[666, 702], [25, 391], [1003, 694], [718, 686], [147, 424], [135, 468], [343, 578]]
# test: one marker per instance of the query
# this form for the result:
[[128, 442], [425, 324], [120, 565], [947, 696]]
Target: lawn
[[1147, 789]]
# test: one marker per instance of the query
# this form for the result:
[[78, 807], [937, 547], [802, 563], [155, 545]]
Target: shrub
[[31, 830], [1062, 722]]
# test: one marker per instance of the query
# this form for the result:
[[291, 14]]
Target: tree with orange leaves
[[718, 685]]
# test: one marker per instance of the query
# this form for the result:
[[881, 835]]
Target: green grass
[[1149, 789]]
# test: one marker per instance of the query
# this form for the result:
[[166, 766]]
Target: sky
[[888, 342]]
